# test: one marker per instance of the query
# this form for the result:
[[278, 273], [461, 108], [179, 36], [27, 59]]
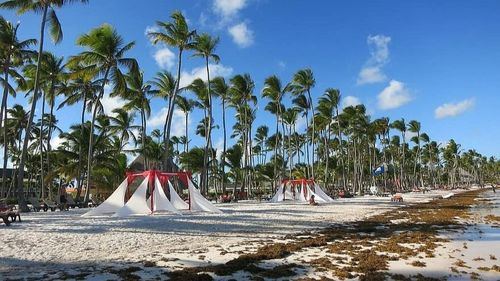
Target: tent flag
[[137, 205], [380, 170], [278, 196], [302, 194], [320, 194], [198, 202], [175, 199], [160, 200], [112, 204]]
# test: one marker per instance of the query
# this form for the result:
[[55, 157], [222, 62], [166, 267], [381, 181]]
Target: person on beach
[[312, 201]]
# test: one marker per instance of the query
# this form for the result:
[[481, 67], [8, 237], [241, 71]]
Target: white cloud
[[110, 103], [201, 72], [164, 58], [282, 64], [453, 109], [219, 146], [150, 29], [242, 35], [301, 123], [228, 8], [394, 95], [55, 142], [350, 101], [379, 56], [371, 74], [178, 121]]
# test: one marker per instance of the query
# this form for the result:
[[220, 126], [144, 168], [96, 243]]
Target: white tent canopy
[[175, 199], [289, 191], [140, 204], [112, 204], [137, 205], [198, 202], [161, 202]]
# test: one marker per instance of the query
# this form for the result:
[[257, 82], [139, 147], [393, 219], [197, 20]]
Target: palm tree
[[241, 90], [82, 88], [400, 125], [176, 34], [165, 84], [204, 46], [303, 81], [47, 9], [122, 124], [137, 95], [414, 127], [274, 91], [52, 83], [302, 104], [328, 109], [104, 55], [186, 106], [13, 54], [221, 89]]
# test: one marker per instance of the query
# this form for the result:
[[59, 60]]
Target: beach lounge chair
[[35, 204], [7, 212], [49, 205], [397, 198], [448, 196]]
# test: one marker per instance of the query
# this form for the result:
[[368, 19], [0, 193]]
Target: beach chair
[[397, 198], [49, 205], [7, 212], [35, 204]]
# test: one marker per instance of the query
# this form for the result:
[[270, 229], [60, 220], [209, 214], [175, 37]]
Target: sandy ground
[[58, 245]]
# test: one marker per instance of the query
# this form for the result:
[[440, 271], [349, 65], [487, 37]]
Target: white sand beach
[[63, 244]]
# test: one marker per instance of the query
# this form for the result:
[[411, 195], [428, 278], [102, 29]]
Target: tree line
[[338, 147]]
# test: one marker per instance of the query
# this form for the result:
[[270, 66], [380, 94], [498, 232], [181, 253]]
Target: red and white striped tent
[[150, 196], [300, 190]]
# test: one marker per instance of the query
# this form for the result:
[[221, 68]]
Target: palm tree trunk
[[91, 137], [143, 121], [41, 148], [171, 111], [20, 177], [224, 144], [313, 137], [79, 176], [49, 147], [5, 158], [3, 122], [209, 132]]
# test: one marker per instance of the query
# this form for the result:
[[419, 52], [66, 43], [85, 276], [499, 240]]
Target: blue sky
[[434, 61]]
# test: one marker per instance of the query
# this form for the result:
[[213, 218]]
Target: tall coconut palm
[[241, 90], [82, 88], [186, 106], [137, 94], [221, 89], [400, 125], [13, 53], [328, 107], [165, 85], [204, 46], [414, 127], [52, 83], [274, 91], [104, 54], [303, 81], [49, 16], [302, 104], [122, 124], [176, 34]]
